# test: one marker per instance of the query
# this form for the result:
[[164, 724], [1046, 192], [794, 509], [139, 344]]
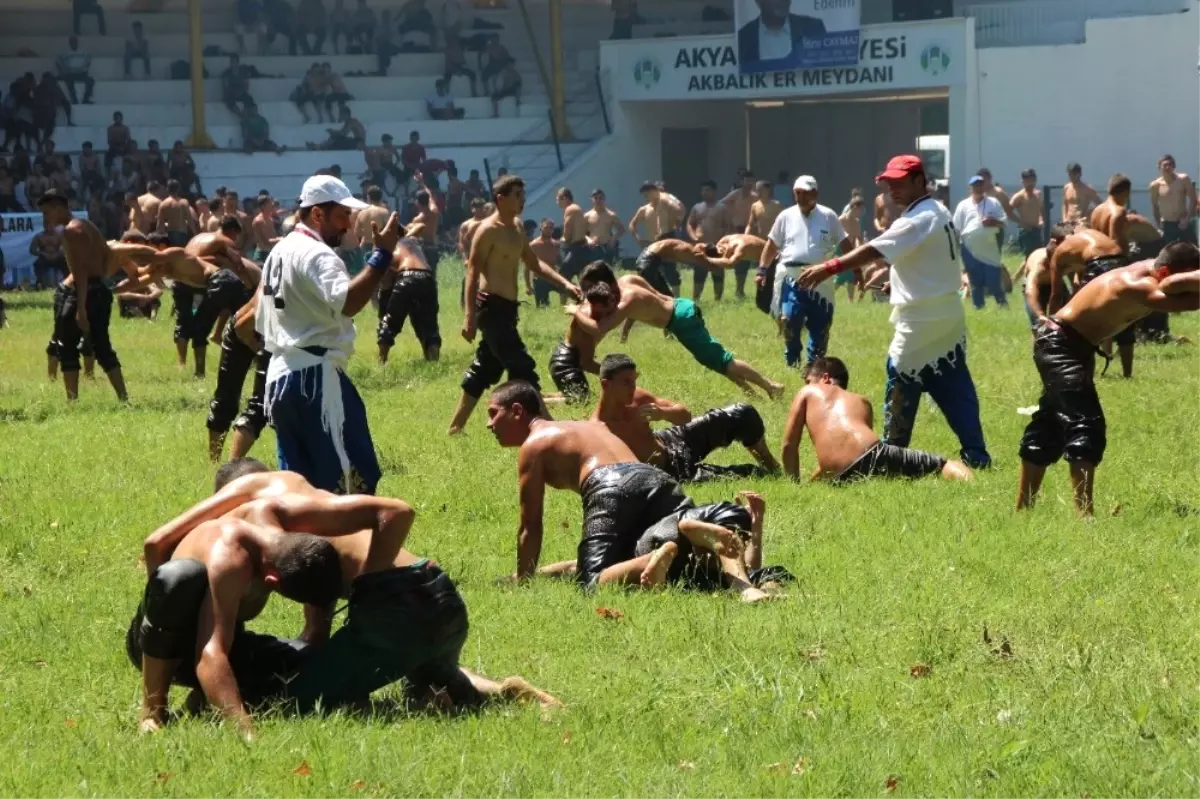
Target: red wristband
[[833, 266]]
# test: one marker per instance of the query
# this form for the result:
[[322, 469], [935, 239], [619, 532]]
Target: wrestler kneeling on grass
[[406, 618], [841, 426], [627, 411]]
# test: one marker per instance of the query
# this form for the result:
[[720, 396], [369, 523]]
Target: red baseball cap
[[901, 166]]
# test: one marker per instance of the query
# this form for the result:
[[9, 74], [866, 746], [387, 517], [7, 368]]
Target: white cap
[[321, 189], [805, 183]]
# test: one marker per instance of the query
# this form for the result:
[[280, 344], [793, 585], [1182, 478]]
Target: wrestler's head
[[304, 568], [1058, 234], [602, 300], [512, 408], [239, 467], [1179, 256], [509, 193], [828, 370], [618, 378]]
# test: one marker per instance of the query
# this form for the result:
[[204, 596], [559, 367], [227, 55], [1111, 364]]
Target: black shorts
[[764, 293], [575, 257], [1094, 269], [184, 298], [661, 274], [224, 293], [567, 373], [165, 626], [69, 341], [692, 569], [1069, 421], [685, 446], [403, 623], [500, 347], [1029, 239], [887, 460], [620, 502], [413, 297]]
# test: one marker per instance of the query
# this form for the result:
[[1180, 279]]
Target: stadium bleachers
[[156, 107]]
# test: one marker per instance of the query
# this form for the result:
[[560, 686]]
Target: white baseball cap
[[805, 183], [321, 189]]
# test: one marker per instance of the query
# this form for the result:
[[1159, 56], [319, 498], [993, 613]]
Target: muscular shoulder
[[643, 397]]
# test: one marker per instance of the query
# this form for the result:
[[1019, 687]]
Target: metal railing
[[1022, 24], [601, 79]]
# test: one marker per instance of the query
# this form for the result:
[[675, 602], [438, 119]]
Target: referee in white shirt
[[978, 219], [928, 351], [304, 316], [805, 234]]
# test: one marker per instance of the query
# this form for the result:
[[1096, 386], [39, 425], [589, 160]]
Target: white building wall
[[1043, 107]]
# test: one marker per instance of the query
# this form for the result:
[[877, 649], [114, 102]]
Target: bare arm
[[160, 218], [1190, 200], [1120, 230], [530, 259], [1154, 211], [532, 488], [75, 245], [792, 433], [243, 323], [481, 247], [229, 576], [158, 547], [660, 409], [633, 226], [363, 286], [389, 521], [1056, 277], [693, 227]]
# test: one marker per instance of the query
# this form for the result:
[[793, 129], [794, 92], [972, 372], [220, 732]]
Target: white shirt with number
[[926, 271], [980, 240], [804, 240], [304, 290]]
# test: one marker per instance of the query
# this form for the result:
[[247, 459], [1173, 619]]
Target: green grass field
[[824, 694]]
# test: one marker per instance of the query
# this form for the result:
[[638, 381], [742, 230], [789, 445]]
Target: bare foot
[[454, 431], [518, 689], [752, 596], [149, 725], [721, 540], [776, 389], [655, 573]]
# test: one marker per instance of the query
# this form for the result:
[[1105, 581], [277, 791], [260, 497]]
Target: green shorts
[[354, 260], [687, 325], [844, 278]]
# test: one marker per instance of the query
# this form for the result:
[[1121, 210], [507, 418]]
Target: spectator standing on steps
[[80, 8], [74, 67], [119, 140], [137, 49], [235, 88]]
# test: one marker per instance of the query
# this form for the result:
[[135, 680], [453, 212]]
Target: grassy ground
[[875, 678]]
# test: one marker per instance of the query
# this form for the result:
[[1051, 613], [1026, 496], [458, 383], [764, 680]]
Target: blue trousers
[[304, 446], [985, 280], [948, 382], [804, 310]]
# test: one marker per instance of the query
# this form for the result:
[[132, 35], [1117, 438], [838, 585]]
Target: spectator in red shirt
[[412, 155]]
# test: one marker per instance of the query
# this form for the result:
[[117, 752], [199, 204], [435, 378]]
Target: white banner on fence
[[16, 234]]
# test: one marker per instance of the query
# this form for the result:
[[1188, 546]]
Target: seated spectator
[[60, 180], [256, 132], [362, 28], [48, 97], [91, 177], [250, 22], [351, 136], [415, 17], [137, 49], [154, 166], [182, 168], [8, 192], [73, 67], [496, 58], [311, 89], [280, 19], [119, 140], [456, 64], [336, 94], [311, 19], [508, 84], [235, 88], [35, 185], [81, 7], [50, 160], [50, 262], [385, 43], [412, 156], [441, 105], [20, 165]]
